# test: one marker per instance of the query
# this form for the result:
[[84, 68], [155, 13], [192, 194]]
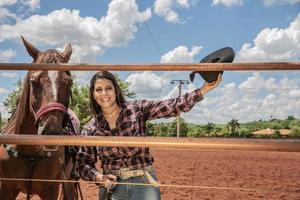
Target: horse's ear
[[33, 52], [67, 52]]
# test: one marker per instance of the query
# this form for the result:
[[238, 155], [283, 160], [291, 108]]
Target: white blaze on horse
[[42, 109]]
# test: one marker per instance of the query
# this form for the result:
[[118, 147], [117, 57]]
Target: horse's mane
[[14, 123]]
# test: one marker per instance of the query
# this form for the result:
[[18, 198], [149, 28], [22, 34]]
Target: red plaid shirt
[[131, 122]]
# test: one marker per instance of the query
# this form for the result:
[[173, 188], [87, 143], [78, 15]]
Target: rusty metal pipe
[[287, 145], [155, 67]]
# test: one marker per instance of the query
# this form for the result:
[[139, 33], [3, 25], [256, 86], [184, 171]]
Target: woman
[[113, 116]]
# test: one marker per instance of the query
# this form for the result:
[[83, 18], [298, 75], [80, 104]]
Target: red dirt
[[271, 175]]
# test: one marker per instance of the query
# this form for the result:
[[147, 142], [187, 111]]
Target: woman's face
[[104, 93]]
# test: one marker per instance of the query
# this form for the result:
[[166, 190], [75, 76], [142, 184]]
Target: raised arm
[[173, 107]]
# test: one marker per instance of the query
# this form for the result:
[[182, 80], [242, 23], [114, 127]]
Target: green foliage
[[183, 129], [195, 131], [1, 121], [125, 87], [295, 131], [163, 130], [169, 129], [209, 129], [291, 118], [244, 132], [12, 99], [80, 103], [232, 127], [276, 134], [150, 129]]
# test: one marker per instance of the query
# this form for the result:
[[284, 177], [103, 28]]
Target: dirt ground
[[234, 174]]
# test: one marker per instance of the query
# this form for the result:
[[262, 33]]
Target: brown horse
[[42, 110]]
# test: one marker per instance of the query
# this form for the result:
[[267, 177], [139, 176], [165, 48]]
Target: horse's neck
[[21, 126], [27, 125]]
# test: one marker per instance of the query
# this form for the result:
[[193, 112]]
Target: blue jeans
[[135, 192]]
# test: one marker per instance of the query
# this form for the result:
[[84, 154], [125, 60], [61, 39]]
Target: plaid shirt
[[131, 122]]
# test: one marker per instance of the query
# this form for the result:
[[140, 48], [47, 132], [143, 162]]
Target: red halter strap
[[49, 108]]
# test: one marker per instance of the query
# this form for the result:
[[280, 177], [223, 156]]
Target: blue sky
[[121, 31]]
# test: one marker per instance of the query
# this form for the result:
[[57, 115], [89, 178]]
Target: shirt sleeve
[[171, 107], [87, 156]]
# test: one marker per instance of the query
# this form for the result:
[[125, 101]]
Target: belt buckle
[[123, 174]]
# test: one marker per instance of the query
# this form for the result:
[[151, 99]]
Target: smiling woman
[[113, 116]]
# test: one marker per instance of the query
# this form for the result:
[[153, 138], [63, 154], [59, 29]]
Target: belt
[[126, 173]]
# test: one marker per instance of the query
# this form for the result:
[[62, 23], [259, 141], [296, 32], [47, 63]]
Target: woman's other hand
[[107, 180], [210, 86]]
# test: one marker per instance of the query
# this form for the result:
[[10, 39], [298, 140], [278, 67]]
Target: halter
[[50, 108]]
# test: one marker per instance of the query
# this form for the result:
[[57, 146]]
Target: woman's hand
[[107, 180], [210, 86]]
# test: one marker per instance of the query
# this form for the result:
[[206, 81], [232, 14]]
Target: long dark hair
[[94, 106]]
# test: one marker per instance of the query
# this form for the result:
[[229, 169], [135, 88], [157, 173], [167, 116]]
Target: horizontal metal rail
[[180, 186], [155, 67], [288, 145]]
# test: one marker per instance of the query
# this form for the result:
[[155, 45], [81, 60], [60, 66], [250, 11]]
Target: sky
[[167, 31]]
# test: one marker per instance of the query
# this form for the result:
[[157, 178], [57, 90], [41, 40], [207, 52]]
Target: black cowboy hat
[[224, 55]]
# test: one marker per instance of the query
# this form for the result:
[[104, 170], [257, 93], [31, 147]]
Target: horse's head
[[49, 91]]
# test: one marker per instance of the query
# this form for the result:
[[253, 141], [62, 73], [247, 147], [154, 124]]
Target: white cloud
[[230, 3], [9, 74], [147, 84], [180, 54], [165, 9], [3, 91], [229, 88], [274, 44], [3, 110], [6, 55], [5, 15], [295, 93], [245, 104], [253, 84], [7, 2], [33, 4], [25, 7], [279, 2], [89, 36], [227, 3]]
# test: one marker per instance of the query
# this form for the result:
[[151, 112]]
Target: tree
[[217, 131], [158, 130], [125, 87], [150, 128], [12, 99], [295, 131], [209, 128], [244, 132], [232, 126], [1, 121], [276, 133], [291, 118], [80, 103]]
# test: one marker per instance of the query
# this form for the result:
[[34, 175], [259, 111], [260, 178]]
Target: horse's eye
[[35, 76], [34, 80], [66, 79]]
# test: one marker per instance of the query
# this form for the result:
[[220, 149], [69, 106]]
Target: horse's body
[[42, 110]]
